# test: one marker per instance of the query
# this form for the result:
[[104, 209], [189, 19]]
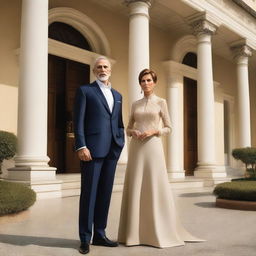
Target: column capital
[[242, 50], [148, 2], [203, 27], [203, 23], [138, 7]]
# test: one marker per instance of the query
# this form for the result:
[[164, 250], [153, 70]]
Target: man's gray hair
[[101, 58]]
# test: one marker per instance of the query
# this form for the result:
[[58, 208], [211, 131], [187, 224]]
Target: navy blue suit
[[102, 132]]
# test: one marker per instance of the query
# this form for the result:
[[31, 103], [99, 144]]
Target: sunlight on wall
[[8, 108]]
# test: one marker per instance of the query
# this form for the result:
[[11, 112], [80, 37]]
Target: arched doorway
[[190, 117], [64, 77]]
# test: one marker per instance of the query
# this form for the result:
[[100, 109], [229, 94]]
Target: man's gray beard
[[103, 78]]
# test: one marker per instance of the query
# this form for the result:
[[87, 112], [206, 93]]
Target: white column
[[175, 147], [138, 44], [31, 162], [205, 97], [242, 53]]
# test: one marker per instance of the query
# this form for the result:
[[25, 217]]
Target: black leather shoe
[[104, 241], [84, 248]]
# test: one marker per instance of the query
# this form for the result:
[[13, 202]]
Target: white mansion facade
[[202, 50]]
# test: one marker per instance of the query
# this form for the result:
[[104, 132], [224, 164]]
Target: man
[[99, 138]]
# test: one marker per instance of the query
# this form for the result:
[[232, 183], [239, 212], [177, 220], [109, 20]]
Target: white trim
[[85, 25], [71, 52], [174, 67]]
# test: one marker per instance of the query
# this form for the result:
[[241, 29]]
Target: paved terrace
[[49, 228]]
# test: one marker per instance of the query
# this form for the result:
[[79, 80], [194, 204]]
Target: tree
[[248, 156]]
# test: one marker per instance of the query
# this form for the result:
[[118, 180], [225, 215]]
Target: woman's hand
[[136, 134], [147, 134]]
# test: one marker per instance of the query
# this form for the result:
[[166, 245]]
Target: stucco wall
[[160, 47], [224, 72], [8, 108], [10, 34]]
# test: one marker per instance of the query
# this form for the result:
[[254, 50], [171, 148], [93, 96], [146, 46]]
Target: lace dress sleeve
[[131, 122], [167, 127]]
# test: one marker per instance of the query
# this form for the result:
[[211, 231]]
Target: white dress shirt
[[106, 90]]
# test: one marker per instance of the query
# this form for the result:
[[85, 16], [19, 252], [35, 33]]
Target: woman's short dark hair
[[147, 71]]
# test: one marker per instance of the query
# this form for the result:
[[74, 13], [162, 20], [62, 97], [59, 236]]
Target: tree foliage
[[8, 145], [248, 156]]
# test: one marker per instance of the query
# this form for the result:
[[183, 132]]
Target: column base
[[32, 173], [176, 175], [42, 179], [210, 171]]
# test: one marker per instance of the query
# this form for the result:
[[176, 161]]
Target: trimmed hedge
[[15, 197], [236, 190], [244, 179], [8, 145]]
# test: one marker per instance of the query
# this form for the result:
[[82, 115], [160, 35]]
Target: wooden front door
[[190, 125], [64, 77]]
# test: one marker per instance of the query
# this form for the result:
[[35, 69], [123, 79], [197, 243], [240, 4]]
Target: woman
[[148, 214]]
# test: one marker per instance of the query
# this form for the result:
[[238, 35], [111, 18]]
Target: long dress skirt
[[148, 212]]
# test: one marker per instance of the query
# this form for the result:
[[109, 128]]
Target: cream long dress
[[148, 213]]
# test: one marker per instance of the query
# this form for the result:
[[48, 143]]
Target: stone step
[[71, 182], [187, 182]]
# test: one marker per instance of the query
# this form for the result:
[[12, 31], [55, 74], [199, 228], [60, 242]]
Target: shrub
[[15, 197], [8, 146], [244, 179], [236, 190], [248, 157]]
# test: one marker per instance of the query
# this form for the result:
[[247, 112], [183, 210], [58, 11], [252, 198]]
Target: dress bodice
[[149, 113]]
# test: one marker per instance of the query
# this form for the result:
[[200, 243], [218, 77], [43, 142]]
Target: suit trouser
[[97, 177]]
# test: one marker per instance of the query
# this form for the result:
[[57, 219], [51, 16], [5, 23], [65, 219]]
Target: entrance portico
[[204, 35]]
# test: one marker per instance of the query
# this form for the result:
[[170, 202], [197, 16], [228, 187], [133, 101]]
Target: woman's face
[[147, 84]]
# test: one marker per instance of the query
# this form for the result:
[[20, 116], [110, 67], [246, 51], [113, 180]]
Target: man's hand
[[147, 134], [84, 154]]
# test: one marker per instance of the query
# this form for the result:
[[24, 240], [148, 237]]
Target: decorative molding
[[246, 7], [241, 49], [230, 16], [85, 25], [204, 27], [184, 45], [148, 2], [203, 23], [175, 70], [139, 8], [74, 53]]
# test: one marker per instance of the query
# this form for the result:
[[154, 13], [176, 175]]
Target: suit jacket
[[94, 125]]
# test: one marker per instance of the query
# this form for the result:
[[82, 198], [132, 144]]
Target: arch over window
[[67, 34], [190, 59], [184, 45], [85, 25]]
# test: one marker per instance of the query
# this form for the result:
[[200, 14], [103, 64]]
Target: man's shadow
[[40, 241]]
